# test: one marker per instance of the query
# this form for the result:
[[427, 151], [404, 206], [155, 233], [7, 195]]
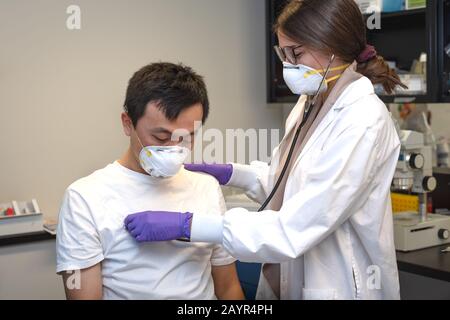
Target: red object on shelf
[[430, 205], [9, 212]]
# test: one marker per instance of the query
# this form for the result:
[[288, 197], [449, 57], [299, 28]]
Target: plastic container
[[415, 4], [393, 5]]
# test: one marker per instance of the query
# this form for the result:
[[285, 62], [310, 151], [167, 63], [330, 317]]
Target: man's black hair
[[173, 87]]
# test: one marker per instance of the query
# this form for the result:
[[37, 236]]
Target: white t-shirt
[[91, 230]]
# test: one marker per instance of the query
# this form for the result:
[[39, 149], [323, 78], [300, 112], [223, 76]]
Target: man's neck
[[129, 161]]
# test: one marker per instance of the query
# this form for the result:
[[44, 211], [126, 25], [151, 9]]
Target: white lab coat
[[334, 233]]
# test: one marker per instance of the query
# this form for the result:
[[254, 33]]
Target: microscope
[[414, 175]]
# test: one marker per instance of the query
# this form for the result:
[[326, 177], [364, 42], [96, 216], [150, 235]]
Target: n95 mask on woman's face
[[303, 80], [163, 162]]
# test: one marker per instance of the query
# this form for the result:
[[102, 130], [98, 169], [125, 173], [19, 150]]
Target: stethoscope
[[306, 116]]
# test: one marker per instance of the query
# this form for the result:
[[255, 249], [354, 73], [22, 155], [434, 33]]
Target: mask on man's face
[[162, 162]]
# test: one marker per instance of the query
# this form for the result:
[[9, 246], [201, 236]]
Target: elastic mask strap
[[333, 78], [149, 154], [312, 72]]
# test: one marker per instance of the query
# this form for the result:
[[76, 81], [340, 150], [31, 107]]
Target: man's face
[[154, 129]]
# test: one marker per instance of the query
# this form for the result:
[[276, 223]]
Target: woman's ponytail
[[378, 71]]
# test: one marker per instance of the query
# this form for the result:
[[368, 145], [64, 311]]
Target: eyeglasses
[[287, 54]]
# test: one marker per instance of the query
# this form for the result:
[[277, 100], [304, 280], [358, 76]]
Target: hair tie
[[368, 54]]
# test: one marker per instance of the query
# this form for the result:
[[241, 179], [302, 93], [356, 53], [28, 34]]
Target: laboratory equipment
[[20, 218], [414, 174]]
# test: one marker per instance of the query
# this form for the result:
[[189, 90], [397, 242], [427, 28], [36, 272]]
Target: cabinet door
[[405, 39], [444, 49]]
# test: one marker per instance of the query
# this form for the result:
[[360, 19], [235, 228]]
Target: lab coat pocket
[[319, 294]]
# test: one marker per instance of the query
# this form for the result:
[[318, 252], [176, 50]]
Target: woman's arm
[[334, 189], [251, 178]]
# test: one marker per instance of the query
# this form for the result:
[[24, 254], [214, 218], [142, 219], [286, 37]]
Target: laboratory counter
[[25, 238], [430, 262]]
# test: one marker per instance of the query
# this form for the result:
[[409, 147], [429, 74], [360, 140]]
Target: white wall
[[61, 91], [440, 121]]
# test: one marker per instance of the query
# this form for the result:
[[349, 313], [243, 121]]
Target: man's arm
[[79, 250], [85, 284], [226, 283]]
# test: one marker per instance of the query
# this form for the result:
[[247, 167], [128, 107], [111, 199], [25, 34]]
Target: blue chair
[[249, 276]]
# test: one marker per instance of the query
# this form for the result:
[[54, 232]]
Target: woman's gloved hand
[[222, 172], [153, 226]]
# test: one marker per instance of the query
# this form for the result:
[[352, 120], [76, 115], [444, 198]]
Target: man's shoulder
[[200, 180], [92, 182]]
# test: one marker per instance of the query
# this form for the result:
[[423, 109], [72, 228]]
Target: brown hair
[[335, 27]]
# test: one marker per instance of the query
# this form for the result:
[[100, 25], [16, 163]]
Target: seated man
[[92, 241]]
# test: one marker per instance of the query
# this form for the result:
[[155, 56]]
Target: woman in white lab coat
[[328, 232]]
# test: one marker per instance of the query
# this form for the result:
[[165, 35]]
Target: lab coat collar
[[354, 92]]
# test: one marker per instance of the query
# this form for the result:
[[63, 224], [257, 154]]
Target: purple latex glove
[[153, 226], [222, 172]]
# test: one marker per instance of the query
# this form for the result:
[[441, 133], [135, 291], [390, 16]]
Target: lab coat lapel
[[356, 89], [329, 118], [295, 116], [269, 283]]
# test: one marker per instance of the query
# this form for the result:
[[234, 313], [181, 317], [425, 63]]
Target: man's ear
[[127, 124]]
